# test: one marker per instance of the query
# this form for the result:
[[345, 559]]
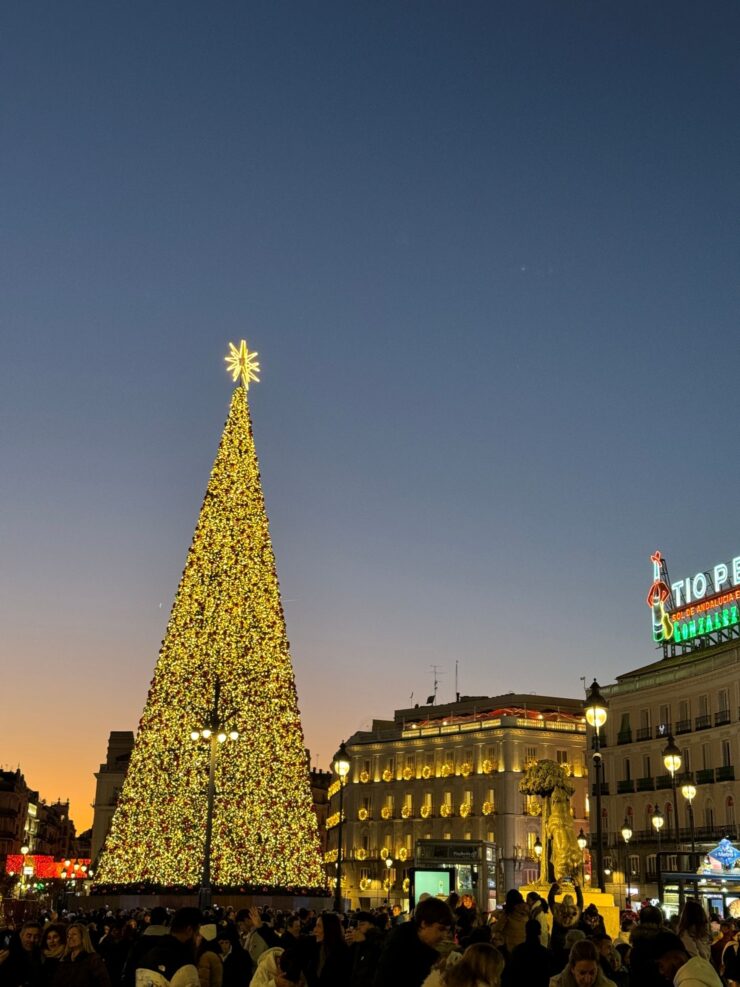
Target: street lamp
[[595, 711], [214, 731], [582, 841], [658, 822], [673, 760], [689, 793], [538, 848], [626, 836], [341, 769]]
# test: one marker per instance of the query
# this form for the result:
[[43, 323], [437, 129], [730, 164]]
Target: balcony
[[683, 726], [662, 731], [624, 737], [643, 733], [604, 788], [703, 722], [663, 781], [645, 784], [727, 773], [705, 776], [721, 717], [625, 786], [602, 741]]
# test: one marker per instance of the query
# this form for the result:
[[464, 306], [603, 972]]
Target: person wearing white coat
[[680, 969]]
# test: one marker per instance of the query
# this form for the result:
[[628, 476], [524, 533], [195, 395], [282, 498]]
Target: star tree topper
[[241, 363]]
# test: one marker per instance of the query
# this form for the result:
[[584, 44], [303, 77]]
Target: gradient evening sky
[[488, 254]]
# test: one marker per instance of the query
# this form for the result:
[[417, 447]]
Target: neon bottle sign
[[696, 605]]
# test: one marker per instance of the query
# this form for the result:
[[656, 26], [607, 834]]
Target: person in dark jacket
[[157, 927], [177, 948], [21, 962], [530, 963], [329, 966], [410, 952], [80, 965], [364, 951], [643, 971]]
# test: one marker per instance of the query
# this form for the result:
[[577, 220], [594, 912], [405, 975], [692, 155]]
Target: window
[[730, 813], [704, 705], [726, 754], [365, 875], [627, 770], [723, 700], [447, 835], [665, 713], [686, 755], [366, 767], [706, 756], [650, 864], [366, 803], [365, 842], [709, 816], [644, 719], [530, 756], [646, 772], [633, 864], [561, 757], [531, 840], [684, 710]]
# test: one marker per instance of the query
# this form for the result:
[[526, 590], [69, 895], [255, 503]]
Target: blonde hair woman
[[481, 966], [80, 965]]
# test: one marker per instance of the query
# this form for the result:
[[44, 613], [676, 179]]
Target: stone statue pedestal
[[604, 902]]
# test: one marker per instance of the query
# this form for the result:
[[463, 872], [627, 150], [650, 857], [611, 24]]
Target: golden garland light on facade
[[226, 622]]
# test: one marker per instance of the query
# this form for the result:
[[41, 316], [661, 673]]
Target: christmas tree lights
[[227, 623]]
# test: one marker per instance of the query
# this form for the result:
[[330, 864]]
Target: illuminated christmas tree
[[227, 627]]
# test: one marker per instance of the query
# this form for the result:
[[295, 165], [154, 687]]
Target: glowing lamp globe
[[688, 791], [672, 756], [595, 707], [342, 762], [658, 820], [582, 840], [626, 832]]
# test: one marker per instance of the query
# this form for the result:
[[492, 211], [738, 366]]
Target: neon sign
[[695, 606]]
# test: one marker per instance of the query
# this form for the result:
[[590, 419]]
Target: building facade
[[694, 698], [450, 772], [109, 781]]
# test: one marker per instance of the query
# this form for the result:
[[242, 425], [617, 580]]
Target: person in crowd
[[236, 962], [466, 916], [292, 937], [364, 952], [255, 936], [693, 929], [481, 966], [565, 914], [730, 961], [53, 941], [174, 953], [114, 950], [583, 968], [508, 931], [80, 965], [676, 966], [530, 962], [643, 971], [446, 961], [21, 959], [538, 909], [329, 966], [208, 957], [411, 949], [268, 968], [156, 926], [592, 923], [610, 960], [726, 935]]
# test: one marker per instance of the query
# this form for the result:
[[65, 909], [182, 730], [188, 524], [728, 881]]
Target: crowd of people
[[532, 942]]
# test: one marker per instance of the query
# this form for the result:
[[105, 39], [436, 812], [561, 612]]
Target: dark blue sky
[[488, 254]]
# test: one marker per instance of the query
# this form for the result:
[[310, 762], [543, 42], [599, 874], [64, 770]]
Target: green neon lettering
[[725, 618]]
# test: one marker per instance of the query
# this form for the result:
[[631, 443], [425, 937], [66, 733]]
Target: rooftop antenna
[[432, 700], [583, 680], [457, 691]]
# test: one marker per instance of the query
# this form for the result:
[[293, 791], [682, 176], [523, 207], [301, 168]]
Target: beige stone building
[[695, 698], [109, 782], [451, 772]]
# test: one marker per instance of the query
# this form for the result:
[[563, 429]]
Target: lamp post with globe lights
[[596, 712], [215, 732], [582, 841], [341, 769], [689, 793], [626, 836], [673, 760]]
